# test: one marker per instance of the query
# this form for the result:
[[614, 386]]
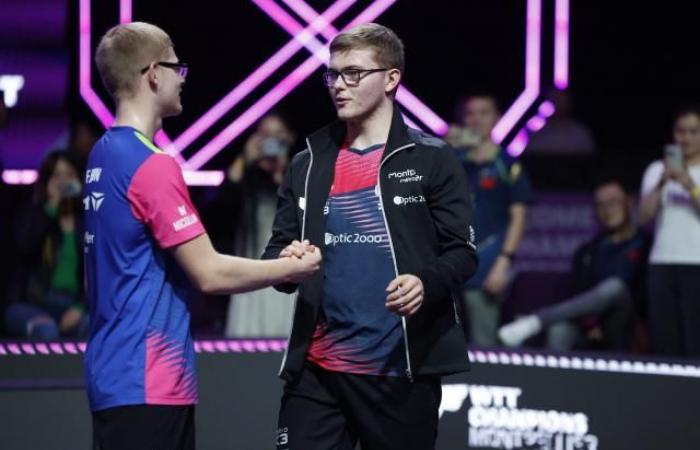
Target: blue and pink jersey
[[355, 332], [137, 206]]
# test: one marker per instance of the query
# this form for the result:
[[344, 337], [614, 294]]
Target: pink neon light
[[561, 44], [19, 176], [125, 11], [278, 92], [547, 109], [2, 350], [56, 348], [192, 178], [207, 346], [71, 348], [253, 113], [517, 147], [532, 73], [28, 349], [221, 346], [14, 349], [252, 81], [403, 96], [421, 111], [43, 348], [536, 123], [409, 122], [88, 94], [203, 177]]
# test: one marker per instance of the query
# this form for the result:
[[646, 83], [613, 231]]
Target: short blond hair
[[126, 49], [386, 44]]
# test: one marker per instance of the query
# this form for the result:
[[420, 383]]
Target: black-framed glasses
[[180, 67], [351, 77]]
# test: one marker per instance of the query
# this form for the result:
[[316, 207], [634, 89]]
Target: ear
[[152, 77], [393, 78]]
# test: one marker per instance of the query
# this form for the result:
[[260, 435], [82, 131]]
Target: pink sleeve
[[159, 198]]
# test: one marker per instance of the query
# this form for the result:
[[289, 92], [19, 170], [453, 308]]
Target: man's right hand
[[305, 265], [296, 249]]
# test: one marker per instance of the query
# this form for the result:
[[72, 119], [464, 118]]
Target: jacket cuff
[[434, 287]]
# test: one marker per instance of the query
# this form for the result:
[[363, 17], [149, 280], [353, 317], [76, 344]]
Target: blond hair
[[126, 49], [386, 44]]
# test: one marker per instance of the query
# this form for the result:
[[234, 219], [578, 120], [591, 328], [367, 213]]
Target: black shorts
[[333, 411], [144, 427]]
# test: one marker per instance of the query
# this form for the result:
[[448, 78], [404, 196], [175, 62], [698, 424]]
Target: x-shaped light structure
[[307, 36]]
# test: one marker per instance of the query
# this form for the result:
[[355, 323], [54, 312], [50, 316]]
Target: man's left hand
[[497, 279]]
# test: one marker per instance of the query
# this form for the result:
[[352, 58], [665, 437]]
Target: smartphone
[[673, 155]]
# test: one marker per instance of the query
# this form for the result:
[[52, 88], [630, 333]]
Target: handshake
[[306, 260], [404, 293]]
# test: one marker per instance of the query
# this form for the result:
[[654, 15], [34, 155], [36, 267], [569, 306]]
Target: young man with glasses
[[142, 236], [376, 328]]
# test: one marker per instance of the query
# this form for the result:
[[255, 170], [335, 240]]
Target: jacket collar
[[330, 138]]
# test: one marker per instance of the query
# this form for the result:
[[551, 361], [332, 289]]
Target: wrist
[[508, 256]]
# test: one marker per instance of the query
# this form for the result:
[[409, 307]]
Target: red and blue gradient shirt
[[140, 350], [355, 332]]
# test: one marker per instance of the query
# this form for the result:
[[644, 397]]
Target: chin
[[347, 114], [174, 110]]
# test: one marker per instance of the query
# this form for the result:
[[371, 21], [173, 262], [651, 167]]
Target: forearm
[[515, 230], [231, 274], [215, 273], [650, 206]]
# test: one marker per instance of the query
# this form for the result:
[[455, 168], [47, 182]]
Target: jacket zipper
[[303, 232], [409, 371]]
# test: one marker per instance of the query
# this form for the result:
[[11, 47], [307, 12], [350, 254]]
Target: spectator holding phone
[[671, 196], [240, 220], [47, 292]]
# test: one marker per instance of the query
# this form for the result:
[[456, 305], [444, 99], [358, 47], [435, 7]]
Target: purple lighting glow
[[278, 92], [536, 123], [547, 109], [19, 176], [561, 44], [532, 74], [305, 37], [253, 81]]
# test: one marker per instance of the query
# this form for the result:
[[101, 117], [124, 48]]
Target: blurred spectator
[[671, 195], [47, 290], [563, 134], [501, 191], [244, 210], [607, 285]]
